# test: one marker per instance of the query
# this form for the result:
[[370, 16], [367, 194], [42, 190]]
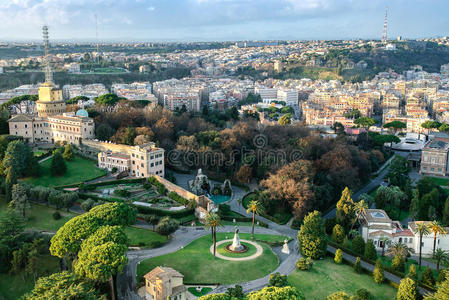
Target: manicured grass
[[386, 260], [40, 217], [140, 237], [440, 181], [198, 265], [13, 286], [326, 277], [78, 170], [222, 250], [203, 291]]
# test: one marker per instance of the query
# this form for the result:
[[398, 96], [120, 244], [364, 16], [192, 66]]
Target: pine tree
[[407, 290], [312, 236], [58, 167], [370, 250], [358, 245], [20, 201], [345, 207]]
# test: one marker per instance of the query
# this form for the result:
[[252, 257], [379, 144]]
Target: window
[[26, 126], [410, 240], [400, 240]]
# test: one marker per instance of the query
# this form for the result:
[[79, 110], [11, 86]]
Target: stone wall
[[103, 146]]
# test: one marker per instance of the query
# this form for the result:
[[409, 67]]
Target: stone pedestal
[[236, 246]]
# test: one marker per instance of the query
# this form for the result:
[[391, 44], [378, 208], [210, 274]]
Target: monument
[[285, 248], [236, 247], [200, 185]]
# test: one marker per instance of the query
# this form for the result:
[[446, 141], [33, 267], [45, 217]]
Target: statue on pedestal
[[285, 248], [236, 246]]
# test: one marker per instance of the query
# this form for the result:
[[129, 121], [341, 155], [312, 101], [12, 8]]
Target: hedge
[[175, 197], [96, 184], [243, 219], [162, 213]]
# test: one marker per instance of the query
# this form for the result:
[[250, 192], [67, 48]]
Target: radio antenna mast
[[384, 33], [47, 66], [96, 37]]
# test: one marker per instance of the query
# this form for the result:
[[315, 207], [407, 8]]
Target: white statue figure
[[285, 248], [236, 246]]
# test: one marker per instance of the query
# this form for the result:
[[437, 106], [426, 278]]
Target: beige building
[[52, 123], [140, 161], [164, 283], [434, 158]]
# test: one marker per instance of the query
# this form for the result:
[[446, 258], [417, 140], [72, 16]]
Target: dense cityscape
[[224, 170]]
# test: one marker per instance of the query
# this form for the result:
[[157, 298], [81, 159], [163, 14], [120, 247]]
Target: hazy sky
[[221, 19]]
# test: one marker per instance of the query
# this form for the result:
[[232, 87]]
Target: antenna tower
[[384, 33], [47, 66], [96, 36]]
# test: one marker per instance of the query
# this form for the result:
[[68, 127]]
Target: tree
[[422, 230], [445, 219], [312, 236], [32, 263], [398, 263], [278, 280], [359, 207], [20, 201], [338, 234], [103, 255], [338, 256], [395, 126], [442, 292], [167, 226], [358, 245], [398, 248], [244, 173], [338, 128], [408, 290], [62, 285], [357, 267], [254, 207], [103, 132], [412, 273], [58, 166], [212, 221], [437, 229], [236, 292], [441, 256], [18, 261], [345, 207], [370, 250], [152, 220], [276, 293], [107, 99], [427, 277], [68, 152], [378, 273], [285, 120], [365, 122], [384, 241], [444, 128]]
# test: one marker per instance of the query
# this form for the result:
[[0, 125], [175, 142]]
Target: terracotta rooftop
[[162, 273]]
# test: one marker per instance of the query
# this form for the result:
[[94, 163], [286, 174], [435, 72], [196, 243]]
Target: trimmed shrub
[[122, 193], [278, 280], [398, 263], [357, 267], [338, 234], [370, 250], [87, 204], [427, 277], [304, 264], [338, 296], [412, 273], [56, 215], [175, 197], [338, 256], [378, 273], [407, 290], [362, 294], [358, 245]]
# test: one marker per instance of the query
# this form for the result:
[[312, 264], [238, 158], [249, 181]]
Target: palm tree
[[398, 249], [192, 204], [254, 207], [436, 228], [422, 229], [240, 201], [441, 256], [385, 241], [359, 208], [212, 221]]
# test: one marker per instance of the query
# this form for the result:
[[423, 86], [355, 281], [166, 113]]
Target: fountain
[[236, 247]]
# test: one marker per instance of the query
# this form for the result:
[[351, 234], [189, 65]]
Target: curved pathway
[[259, 251]]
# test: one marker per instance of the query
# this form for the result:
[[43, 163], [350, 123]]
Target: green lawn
[[198, 265], [386, 260], [222, 250], [142, 237], [203, 292], [326, 277], [13, 286], [78, 170], [440, 181]]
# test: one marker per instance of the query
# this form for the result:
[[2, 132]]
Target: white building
[[73, 68], [378, 227], [290, 97], [267, 94]]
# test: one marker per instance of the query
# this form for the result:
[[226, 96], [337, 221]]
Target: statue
[[236, 246], [285, 248], [201, 184]]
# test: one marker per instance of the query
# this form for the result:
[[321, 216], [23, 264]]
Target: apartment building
[[434, 158]]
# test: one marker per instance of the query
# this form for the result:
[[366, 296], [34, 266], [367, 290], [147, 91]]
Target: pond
[[218, 199]]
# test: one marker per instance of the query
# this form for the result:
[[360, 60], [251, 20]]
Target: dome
[[82, 113]]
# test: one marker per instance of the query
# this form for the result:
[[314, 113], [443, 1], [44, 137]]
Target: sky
[[221, 20]]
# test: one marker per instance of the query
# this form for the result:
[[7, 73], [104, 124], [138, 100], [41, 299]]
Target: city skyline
[[221, 20]]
